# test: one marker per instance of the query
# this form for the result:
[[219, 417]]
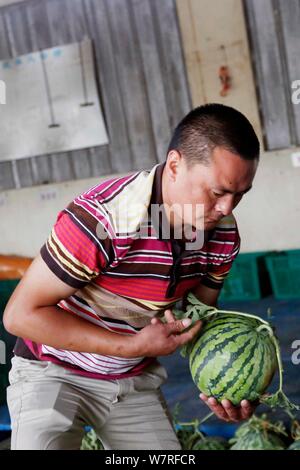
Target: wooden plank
[[131, 83], [58, 19], [154, 76], [19, 30], [172, 62], [57, 12], [270, 73], [5, 51], [21, 169], [100, 161], [289, 13], [188, 17], [61, 167], [31, 170], [77, 19], [81, 164], [40, 39], [6, 176], [77, 32], [38, 25], [99, 29], [6, 171]]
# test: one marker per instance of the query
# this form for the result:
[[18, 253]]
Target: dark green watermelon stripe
[[206, 338], [233, 366], [237, 318], [211, 354], [199, 353], [254, 386], [228, 375], [220, 338], [252, 373], [227, 320], [271, 351], [256, 383]]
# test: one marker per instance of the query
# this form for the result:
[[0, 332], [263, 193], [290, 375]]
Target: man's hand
[[227, 412], [161, 339]]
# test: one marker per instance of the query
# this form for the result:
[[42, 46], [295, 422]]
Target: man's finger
[[232, 412], [247, 409], [178, 325], [217, 409], [169, 316], [189, 335], [203, 397], [155, 320]]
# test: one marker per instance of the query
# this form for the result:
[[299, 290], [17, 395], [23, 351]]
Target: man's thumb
[[186, 322], [179, 325]]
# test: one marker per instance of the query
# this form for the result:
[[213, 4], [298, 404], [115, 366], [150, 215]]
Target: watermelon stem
[[248, 315], [192, 423], [278, 399], [277, 349]]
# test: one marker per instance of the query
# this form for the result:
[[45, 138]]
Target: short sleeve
[[217, 273], [76, 250]]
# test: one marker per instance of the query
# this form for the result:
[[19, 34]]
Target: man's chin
[[210, 224]]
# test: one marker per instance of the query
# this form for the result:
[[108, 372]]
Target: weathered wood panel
[[214, 35], [140, 72], [269, 47], [290, 20]]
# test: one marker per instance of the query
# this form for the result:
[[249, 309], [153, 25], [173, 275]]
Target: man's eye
[[215, 193]]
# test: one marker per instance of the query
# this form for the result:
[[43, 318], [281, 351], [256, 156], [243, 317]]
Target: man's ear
[[173, 163]]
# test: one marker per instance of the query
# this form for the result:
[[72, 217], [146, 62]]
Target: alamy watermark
[[2, 92], [154, 222], [296, 353]]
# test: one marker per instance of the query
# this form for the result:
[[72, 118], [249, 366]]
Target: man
[[88, 312]]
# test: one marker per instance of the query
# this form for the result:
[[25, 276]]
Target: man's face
[[212, 190]]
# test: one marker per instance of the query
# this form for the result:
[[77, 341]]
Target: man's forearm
[[60, 329]]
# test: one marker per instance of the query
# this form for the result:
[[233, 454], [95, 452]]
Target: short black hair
[[214, 125]]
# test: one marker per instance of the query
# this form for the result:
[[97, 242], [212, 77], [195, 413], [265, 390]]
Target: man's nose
[[225, 205]]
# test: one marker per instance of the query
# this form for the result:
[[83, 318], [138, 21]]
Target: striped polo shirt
[[106, 245]]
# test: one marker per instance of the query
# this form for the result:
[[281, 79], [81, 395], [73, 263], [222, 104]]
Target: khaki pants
[[49, 407]]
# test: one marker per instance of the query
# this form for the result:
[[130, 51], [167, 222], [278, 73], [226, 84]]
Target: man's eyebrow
[[225, 190]]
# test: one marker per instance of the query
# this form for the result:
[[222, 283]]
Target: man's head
[[212, 159]]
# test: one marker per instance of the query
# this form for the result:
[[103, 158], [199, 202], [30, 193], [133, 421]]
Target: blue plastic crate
[[284, 270], [242, 282]]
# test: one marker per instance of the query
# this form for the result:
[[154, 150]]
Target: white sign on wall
[[52, 103], [296, 159], [3, 3]]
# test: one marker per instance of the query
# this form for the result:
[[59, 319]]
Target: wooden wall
[[140, 71], [214, 35], [275, 38]]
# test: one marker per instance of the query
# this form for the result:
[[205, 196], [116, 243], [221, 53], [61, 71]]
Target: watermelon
[[234, 356], [233, 359], [294, 446], [91, 441], [259, 434], [258, 441], [191, 438], [210, 443]]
